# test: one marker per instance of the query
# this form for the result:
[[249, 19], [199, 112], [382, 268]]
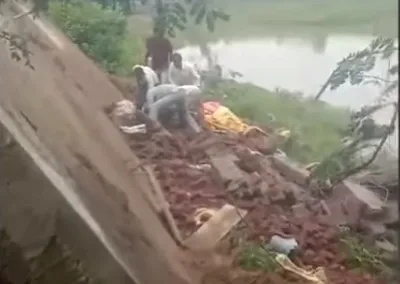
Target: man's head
[[158, 31], [139, 74], [177, 60]]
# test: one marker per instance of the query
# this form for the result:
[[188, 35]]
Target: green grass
[[295, 17], [132, 53], [316, 126]]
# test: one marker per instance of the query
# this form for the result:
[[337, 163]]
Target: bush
[[99, 32]]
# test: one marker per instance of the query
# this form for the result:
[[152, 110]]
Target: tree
[[171, 15], [356, 66], [363, 133], [98, 32], [100, 29]]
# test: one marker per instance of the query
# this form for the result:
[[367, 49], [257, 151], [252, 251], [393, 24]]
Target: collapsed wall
[[55, 114], [52, 240]]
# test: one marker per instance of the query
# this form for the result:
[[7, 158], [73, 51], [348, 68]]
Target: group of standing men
[[167, 86]]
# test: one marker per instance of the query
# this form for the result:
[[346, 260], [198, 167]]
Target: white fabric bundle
[[124, 112]]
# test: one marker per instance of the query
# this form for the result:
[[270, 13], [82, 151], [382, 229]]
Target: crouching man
[[146, 79], [165, 102]]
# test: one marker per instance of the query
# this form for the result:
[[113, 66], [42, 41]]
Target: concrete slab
[[226, 167], [364, 195], [290, 170], [208, 235]]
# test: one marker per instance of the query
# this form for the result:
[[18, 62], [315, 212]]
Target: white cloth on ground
[[123, 112]]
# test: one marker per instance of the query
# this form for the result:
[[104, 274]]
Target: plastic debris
[[201, 167], [316, 276], [282, 245], [141, 128]]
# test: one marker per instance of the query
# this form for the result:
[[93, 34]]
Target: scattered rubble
[[210, 170]]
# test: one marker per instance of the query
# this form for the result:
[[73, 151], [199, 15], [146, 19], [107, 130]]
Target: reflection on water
[[319, 44], [296, 64]]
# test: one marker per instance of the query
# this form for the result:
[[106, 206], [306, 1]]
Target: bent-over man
[[166, 101]]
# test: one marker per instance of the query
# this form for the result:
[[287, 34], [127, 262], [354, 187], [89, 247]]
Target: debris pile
[[209, 170]]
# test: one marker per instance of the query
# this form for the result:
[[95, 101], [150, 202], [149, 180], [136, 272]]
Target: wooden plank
[[151, 194], [163, 204], [208, 235]]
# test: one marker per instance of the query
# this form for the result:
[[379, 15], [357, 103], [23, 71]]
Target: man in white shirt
[[182, 73], [145, 73], [146, 79]]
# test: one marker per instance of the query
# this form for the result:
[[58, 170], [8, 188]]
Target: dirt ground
[[275, 205]]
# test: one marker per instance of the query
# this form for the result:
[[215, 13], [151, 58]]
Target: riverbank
[[316, 127], [290, 17]]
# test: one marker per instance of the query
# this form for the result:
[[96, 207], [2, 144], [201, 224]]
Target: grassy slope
[[316, 126]]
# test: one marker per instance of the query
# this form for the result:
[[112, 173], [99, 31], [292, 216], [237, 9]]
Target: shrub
[[99, 32]]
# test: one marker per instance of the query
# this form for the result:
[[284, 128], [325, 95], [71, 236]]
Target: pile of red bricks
[[211, 169]]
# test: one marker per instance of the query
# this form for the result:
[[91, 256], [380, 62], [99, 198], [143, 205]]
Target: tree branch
[[386, 80], [355, 170]]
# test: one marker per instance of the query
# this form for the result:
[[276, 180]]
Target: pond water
[[296, 64]]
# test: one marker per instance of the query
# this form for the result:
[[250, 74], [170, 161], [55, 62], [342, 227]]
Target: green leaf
[[171, 33], [200, 16], [374, 44], [218, 14], [196, 6], [178, 7], [211, 22]]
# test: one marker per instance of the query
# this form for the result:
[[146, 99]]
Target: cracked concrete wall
[[57, 109], [32, 211]]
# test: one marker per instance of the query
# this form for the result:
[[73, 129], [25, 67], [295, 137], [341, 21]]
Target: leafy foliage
[[254, 257], [172, 16], [127, 6], [355, 67], [363, 134], [358, 256], [99, 27], [98, 32]]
